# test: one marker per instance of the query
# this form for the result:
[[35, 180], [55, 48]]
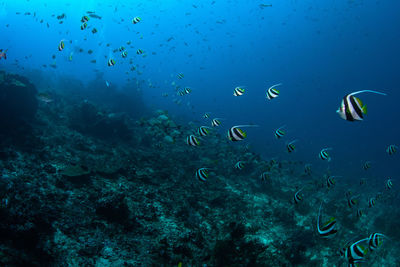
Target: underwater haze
[[199, 133]]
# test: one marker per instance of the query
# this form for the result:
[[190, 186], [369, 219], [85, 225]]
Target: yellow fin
[[329, 221]]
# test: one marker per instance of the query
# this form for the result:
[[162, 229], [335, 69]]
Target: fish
[[139, 51], [298, 197], [272, 92], [324, 155], [107, 84], [70, 56], [202, 174], [203, 131], [95, 16], [356, 252], [121, 48], [238, 91], [124, 54], [192, 140], [389, 184], [367, 165], [85, 19], [371, 202], [136, 20], [206, 115], [111, 62], [45, 97], [94, 30], [330, 181], [290, 146], [375, 240], [363, 181], [237, 134], [391, 149], [279, 133], [262, 6], [83, 26], [61, 46], [3, 54], [328, 229], [215, 122], [239, 165], [180, 76], [352, 108], [307, 168], [264, 176], [352, 201], [359, 213]]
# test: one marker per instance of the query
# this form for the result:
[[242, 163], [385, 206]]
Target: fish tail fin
[[367, 91]]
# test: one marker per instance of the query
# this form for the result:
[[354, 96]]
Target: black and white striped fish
[[239, 165], [191, 140], [371, 202], [330, 181], [329, 228], [206, 115], [367, 165], [290, 146], [352, 201], [202, 174], [324, 155], [391, 149], [180, 76], [375, 240], [351, 108], [237, 134], [298, 197], [279, 132], [215, 122], [356, 252], [272, 92], [264, 176], [203, 130], [389, 184], [238, 91]]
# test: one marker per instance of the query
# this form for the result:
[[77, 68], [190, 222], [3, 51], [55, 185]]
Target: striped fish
[[328, 229], [290, 146], [239, 165], [330, 181], [238, 91], [391, 149], [279, 132], [298, 197], [206, 115], [360, 213], [111, 62], [180, 76], [352, 201], [356, 252], [264, 176], [371, 202], [367, 165], [215, 122], [389, 184], [237, 134], [272, 92], [351, 108], [324, 155], [375, 240], [191, 140], [203, 131], [202, 174]]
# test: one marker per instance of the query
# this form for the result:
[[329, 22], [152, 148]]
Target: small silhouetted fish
[[62, 16], [27, 13], [94, 16]]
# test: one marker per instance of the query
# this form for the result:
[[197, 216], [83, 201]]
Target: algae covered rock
[[18, 103]]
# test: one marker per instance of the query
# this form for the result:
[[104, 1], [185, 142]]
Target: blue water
[[318, 50]]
